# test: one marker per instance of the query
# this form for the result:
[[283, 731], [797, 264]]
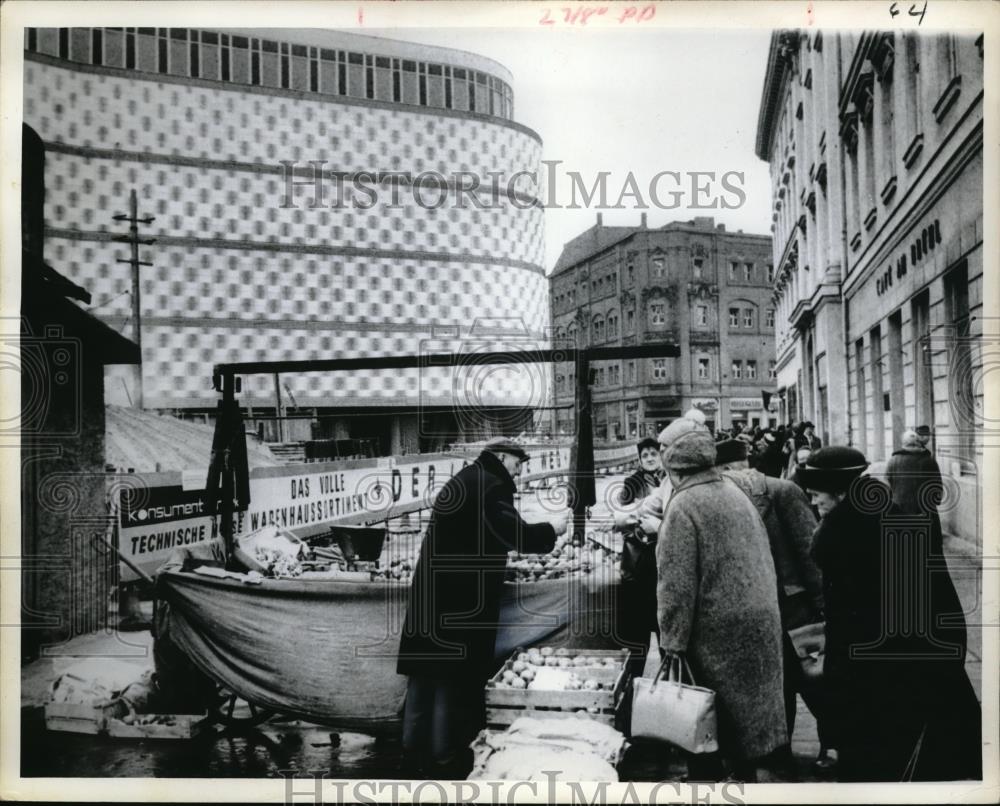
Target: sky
[[639, 102]]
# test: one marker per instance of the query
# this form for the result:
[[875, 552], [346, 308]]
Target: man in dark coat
[[915, 480], [790, 523], [903, 705], [771, 459], [447, 645]]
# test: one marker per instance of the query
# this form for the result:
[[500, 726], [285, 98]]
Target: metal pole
[[134, 242], [277, 407], [133, 210], [227, 489], [584, 448]]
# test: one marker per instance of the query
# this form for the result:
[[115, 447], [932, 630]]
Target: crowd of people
[[776, 567], [780, 568]]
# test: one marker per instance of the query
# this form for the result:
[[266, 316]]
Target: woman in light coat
[[717, 602]]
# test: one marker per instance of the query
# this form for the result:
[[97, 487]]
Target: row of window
[[611, 376], [746, 317], [603, 329], [745, 272], [740, 272], [282, 65]]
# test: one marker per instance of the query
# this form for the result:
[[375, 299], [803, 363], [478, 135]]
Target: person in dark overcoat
[[894, 666], [790, 523], [637, 593], [647, 477], [449, 635], [915, 480], [718, 603]]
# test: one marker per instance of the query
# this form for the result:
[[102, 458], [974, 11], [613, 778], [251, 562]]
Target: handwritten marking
[[895, 12], [579, 15]]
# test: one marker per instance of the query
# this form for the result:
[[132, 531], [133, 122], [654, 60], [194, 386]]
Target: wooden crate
[[504, 705], [186, 726], [72, 717]]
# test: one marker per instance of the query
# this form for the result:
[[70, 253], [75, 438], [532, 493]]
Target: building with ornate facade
[[221, 134], [691, 283], [875, 145]]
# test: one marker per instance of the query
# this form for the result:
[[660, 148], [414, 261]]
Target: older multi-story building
[[221, 134], [691, 283], [875, 145]]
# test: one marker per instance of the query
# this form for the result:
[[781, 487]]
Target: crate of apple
[[562, 681]]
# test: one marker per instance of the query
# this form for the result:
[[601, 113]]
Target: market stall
[[324, 650]]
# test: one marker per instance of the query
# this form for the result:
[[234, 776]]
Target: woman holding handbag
[[718, 605]]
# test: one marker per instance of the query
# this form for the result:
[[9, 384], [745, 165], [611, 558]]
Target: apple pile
[[399, 559], [564, 559], [554, 669]]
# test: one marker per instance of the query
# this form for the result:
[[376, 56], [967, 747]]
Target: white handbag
[[667, 709]]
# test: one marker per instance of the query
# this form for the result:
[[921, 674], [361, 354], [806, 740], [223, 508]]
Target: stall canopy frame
[[228, 486]]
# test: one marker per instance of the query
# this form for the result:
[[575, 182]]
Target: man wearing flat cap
[[448, 640]]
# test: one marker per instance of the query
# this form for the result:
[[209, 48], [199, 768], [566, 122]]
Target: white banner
[[166, 510]]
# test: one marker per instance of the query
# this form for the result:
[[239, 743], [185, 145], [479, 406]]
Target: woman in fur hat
[[901, 702], [718, 605]]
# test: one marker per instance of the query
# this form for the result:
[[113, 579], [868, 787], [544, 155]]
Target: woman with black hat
[[902, 703]]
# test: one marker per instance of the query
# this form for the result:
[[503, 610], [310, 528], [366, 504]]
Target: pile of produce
[[530, 749], [565, 559], [399, 558], [556, 670], [277, 563]]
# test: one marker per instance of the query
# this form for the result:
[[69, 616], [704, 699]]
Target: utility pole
[[135, 241]]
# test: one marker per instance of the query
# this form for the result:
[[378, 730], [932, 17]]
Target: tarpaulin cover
[[325, 650]]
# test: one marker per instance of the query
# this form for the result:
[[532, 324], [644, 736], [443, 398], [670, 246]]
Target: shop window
[[878, 407], [960, 364]]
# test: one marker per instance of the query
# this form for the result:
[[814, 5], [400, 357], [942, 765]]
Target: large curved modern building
[[223, 134]]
